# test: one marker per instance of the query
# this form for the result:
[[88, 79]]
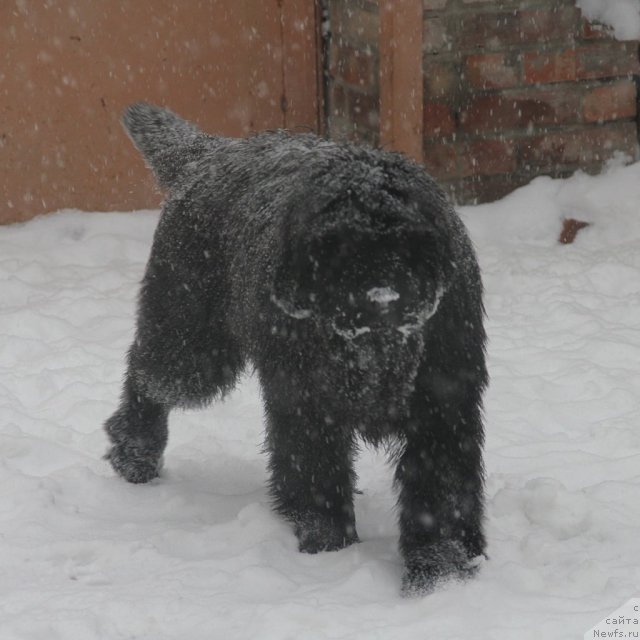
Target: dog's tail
[[167, 142]]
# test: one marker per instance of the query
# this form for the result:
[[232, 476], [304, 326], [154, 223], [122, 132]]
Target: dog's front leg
[[440, 477], [138, 435], [312, 476]]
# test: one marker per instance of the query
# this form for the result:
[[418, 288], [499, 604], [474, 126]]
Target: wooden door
[[69, 68]]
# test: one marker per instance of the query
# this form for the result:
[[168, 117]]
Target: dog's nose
[[382, 297], [374, 308]]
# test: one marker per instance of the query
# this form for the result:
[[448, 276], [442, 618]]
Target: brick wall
[[517, 89], [512, 89]]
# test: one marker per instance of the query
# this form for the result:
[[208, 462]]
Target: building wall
[[69, 67], [517, 89], [512, 89]]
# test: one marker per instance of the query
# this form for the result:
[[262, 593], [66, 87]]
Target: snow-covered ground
[[199, 555]]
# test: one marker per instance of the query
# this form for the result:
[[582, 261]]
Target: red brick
[[607, 60], [495, 30], [595, 31], [610, 102], [434, 5], [486, 188], [440, 159], [438, 119], [492, 71], [487, 31], [488, 157], [545, 67], [585, 147], [521, 109], [570, 228], [436, 36], [441, 78], [554, 24]]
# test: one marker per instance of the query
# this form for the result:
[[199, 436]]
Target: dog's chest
[[371, 377]]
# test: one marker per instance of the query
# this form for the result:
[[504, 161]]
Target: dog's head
[[370, 281], [361, 268]]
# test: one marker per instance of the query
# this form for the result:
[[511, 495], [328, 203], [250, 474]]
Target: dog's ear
[[166, 141]]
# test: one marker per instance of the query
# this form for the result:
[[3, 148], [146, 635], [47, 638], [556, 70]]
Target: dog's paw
[[442, 562], [317, 534], [133, 465]]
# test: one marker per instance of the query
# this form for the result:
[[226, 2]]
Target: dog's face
[[365, 250], [359, 281], [370, 282], [364, 275], [370, 295]]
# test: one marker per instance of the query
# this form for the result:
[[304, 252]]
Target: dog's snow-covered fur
[[344, 277]]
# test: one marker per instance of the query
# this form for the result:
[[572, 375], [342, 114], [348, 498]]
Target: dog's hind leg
[[183, 353]]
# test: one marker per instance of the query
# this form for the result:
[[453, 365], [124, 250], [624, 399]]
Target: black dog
[[345, 278]]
